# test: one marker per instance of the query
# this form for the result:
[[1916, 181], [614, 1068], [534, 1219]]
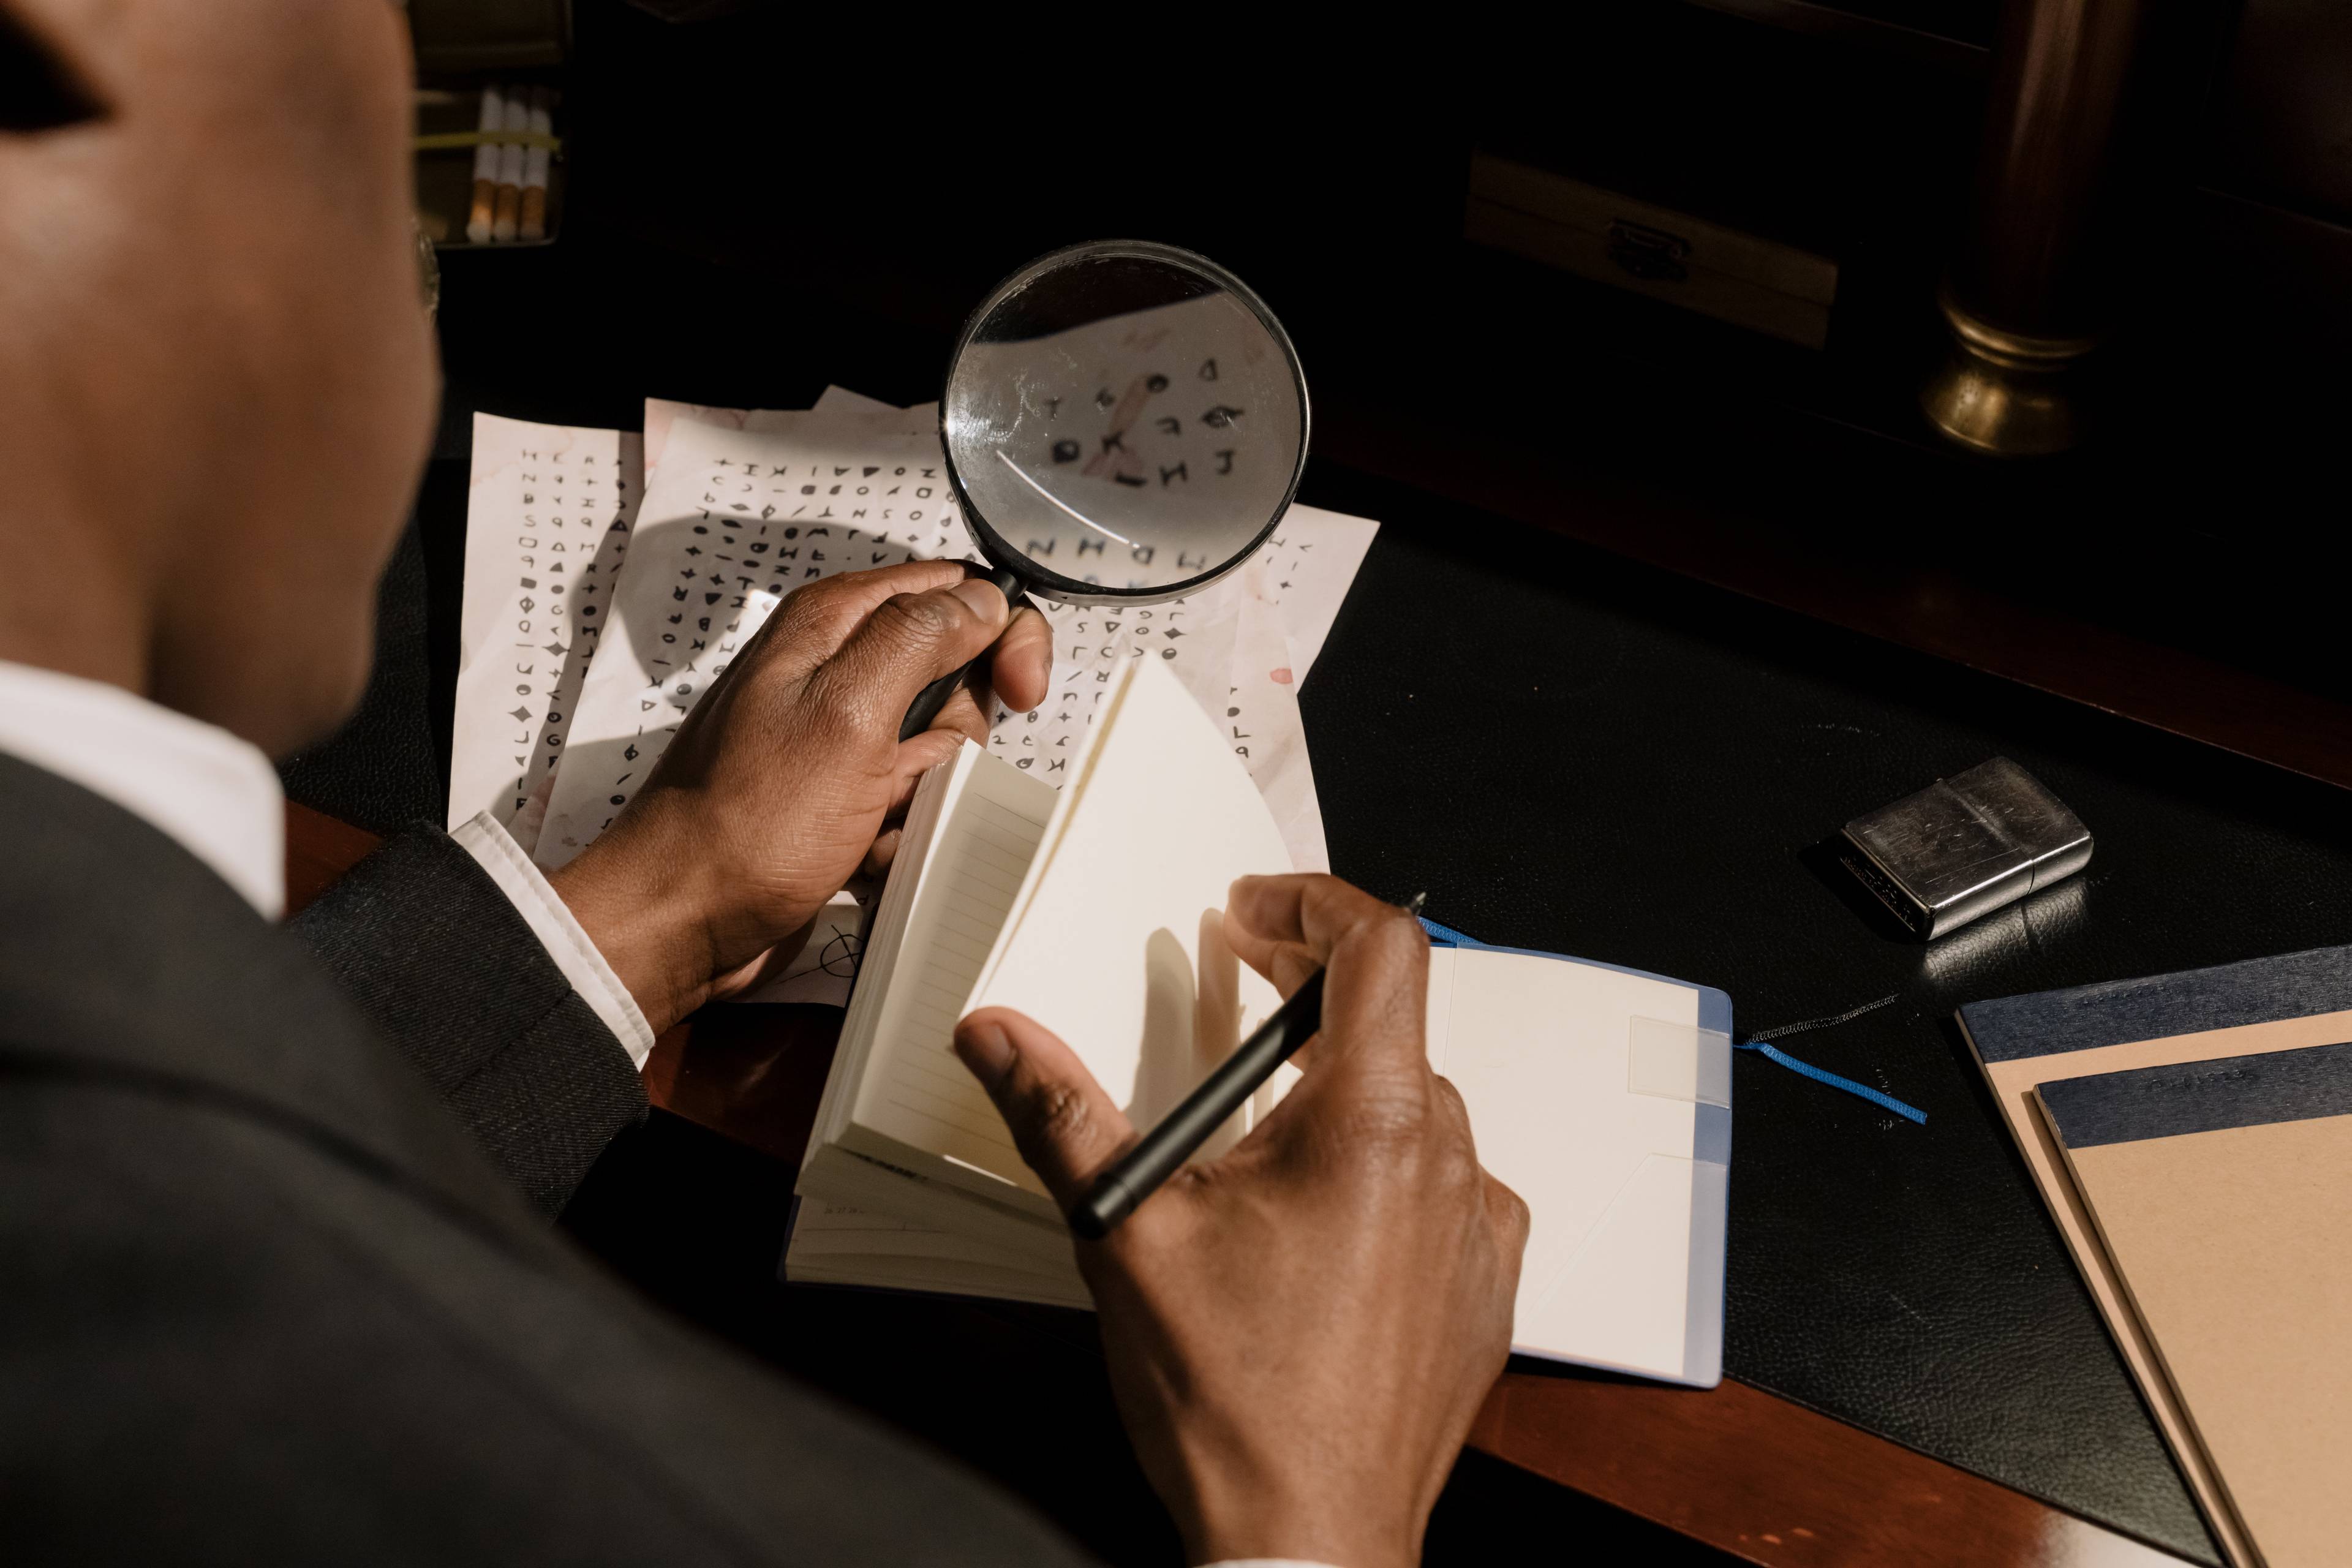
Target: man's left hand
[[782, 784]]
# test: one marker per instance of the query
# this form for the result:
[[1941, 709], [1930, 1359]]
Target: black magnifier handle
[[934, 697]]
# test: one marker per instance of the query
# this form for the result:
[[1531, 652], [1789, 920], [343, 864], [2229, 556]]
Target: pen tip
[[1412, 905]]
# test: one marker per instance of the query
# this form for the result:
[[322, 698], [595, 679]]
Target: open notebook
[[1599, 1094]]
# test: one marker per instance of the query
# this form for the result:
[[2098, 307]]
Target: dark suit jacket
[[277, 1279]]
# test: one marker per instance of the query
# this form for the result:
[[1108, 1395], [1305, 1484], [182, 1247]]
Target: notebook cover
[[2259, 1005], [1702, 1364], [2222, 1193]]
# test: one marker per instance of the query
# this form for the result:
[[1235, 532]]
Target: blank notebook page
[[915, 1090], [1118, 946]]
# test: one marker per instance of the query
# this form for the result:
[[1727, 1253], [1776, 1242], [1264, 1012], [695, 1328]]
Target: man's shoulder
[[217, 1329]]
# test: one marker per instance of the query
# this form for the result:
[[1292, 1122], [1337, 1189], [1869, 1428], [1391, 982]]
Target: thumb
[[1065, 1127], [903, 645]]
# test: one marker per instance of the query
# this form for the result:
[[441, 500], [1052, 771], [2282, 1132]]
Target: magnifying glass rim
[[999, 550]]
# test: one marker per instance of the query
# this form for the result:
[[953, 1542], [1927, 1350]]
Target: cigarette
[[534, 165], [485, 169], [509, 203]]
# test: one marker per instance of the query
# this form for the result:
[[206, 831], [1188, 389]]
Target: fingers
[[1307, 908], [966, 711], [1508, 1213], [1287, 963], [904, 643], [1375, 957], [815, 619], [1065, 1127], [1020, 666], [919, 754]]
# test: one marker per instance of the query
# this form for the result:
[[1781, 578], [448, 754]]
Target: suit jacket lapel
[[125, 957]]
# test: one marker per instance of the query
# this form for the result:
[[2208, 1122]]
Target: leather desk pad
[[1574, 753]]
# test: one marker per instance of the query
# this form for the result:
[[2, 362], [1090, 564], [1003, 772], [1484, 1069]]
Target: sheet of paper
[[915, 1088], [734, 520], [1249, 694], [842, 397], [808, 522], [548, 523], [1310, 561], [1241, 647], [662, 414], [826, 968]]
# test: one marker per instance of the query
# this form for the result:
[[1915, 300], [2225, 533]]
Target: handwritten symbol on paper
[[839, 957]]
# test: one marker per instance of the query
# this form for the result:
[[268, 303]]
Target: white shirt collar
[[214, 793]]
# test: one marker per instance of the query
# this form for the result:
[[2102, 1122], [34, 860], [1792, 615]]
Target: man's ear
[[39, 90]]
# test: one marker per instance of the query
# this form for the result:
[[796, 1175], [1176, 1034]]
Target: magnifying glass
[[1123, 422]]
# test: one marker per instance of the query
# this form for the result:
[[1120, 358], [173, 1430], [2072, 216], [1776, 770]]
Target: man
[[276, 1279]]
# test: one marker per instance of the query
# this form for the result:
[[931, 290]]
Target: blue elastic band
[[1446, 936], [1887, 1101]]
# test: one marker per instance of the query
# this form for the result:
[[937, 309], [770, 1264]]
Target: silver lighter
[[1965, 846]]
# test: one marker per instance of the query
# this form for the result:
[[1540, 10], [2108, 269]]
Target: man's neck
[[66, 606]]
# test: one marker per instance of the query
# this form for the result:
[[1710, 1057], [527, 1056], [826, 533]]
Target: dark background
[[1569, 751], [878, 184]]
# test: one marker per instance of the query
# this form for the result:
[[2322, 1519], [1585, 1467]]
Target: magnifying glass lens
[[1123, 422]]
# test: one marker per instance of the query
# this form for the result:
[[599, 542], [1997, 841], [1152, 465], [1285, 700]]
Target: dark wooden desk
[[1736, 1468]]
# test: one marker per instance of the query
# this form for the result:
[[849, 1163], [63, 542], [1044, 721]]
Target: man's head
[[216, 380]]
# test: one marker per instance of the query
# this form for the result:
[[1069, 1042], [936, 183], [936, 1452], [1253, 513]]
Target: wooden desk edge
[[1737, 1467]]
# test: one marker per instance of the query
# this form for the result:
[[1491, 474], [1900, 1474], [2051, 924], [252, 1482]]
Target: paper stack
[[610, 577]]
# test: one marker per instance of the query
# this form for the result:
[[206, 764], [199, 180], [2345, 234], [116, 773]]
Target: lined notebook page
[[915, 1090]]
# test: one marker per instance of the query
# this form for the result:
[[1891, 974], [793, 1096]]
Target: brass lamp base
[[2004, 394]]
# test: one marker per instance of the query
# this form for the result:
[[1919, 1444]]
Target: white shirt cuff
[[496, 852]]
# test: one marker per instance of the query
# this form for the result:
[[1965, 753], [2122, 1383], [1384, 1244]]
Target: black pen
[[1158, 1153]]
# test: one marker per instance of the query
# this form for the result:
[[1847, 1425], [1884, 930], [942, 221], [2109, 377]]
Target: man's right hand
[[1300, 1332]]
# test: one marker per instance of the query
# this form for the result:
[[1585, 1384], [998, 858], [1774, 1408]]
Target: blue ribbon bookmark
[[1755, 1042], [1446, 936], [1887, 1101]]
